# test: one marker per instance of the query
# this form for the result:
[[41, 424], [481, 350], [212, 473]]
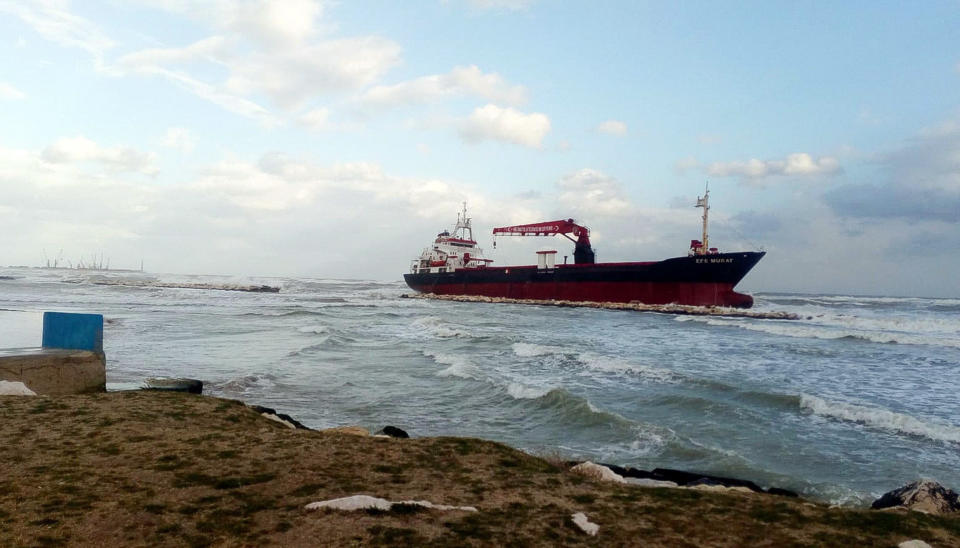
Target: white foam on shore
[[877, 417]]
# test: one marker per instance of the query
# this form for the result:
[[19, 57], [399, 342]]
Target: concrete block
[[74, 331], [53, 371], [71, 360]]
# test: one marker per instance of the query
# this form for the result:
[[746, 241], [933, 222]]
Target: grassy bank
[[168, 469]]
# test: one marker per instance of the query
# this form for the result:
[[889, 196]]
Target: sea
[[857, 397]]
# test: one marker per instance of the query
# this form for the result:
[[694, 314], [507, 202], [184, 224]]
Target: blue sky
[[334, 139]]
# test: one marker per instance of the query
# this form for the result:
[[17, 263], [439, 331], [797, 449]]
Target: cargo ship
[[454, 265]]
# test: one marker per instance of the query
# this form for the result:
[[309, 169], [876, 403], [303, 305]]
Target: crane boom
[[582, 252]]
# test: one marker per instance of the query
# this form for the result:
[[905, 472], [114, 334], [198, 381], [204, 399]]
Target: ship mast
[[703, 202], [463, 225]]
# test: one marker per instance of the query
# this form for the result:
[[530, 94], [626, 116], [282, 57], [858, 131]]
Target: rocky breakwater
[[192, 285], [637, 306]]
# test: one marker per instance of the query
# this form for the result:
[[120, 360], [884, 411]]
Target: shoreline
[[171, 469]]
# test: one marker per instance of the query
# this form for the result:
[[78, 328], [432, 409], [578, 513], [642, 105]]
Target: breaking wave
[[596, 362], [877, 417], [916, 331], [437, 327], [457, 366]]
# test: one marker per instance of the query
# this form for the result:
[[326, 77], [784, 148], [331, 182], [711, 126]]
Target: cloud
[[612, 127], [921, 181], [178, 138], [317, 119], [507, 125], [593, 193], [10, 93], [51, 19], [797, 164], [81, 149], [461, 81]]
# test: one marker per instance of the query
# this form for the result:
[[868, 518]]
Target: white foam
[[521, 392], [598, 362], [917, 331], [457, 365], [877, 417], [439, 327], [530, 350]]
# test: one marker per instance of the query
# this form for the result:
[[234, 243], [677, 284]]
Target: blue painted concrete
[[73, 331]]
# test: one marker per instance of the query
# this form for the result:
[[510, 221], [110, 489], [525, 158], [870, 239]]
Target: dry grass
[[167, 469]]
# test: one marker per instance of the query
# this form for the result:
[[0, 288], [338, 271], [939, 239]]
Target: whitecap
[[521, 392], [878, 417]]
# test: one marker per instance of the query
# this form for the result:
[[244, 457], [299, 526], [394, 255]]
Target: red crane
[[582, 251]]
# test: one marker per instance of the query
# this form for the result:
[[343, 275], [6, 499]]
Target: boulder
[[282, 418], [597, 472], [584, 524], [350, 430], [916, 543], [923, 496], [393, 432], [192, 386]]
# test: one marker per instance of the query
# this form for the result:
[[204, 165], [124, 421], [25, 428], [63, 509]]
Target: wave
[[440, 328], [596, 362], [457, 366], [914, 331], [521, 392], [316, 329], [877, 417]]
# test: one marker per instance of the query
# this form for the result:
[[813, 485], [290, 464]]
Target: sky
[[335, 139]]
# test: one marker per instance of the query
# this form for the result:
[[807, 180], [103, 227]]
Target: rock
[[393, 432], [913, 544], [580, 520], [644, 482], [923, 496], [686, 478], [193, 386], [282, 418], [350, 430], [597, 472], [783, 492], [366, 502], [15, 388]]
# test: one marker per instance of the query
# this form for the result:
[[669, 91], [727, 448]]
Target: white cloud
[[118, 159], [613, 127], [292, 76], [8, 92], [178, 138], [505, 124], [594, 193], [317, 119], [52, 20], [797, 164], [460, 81]]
